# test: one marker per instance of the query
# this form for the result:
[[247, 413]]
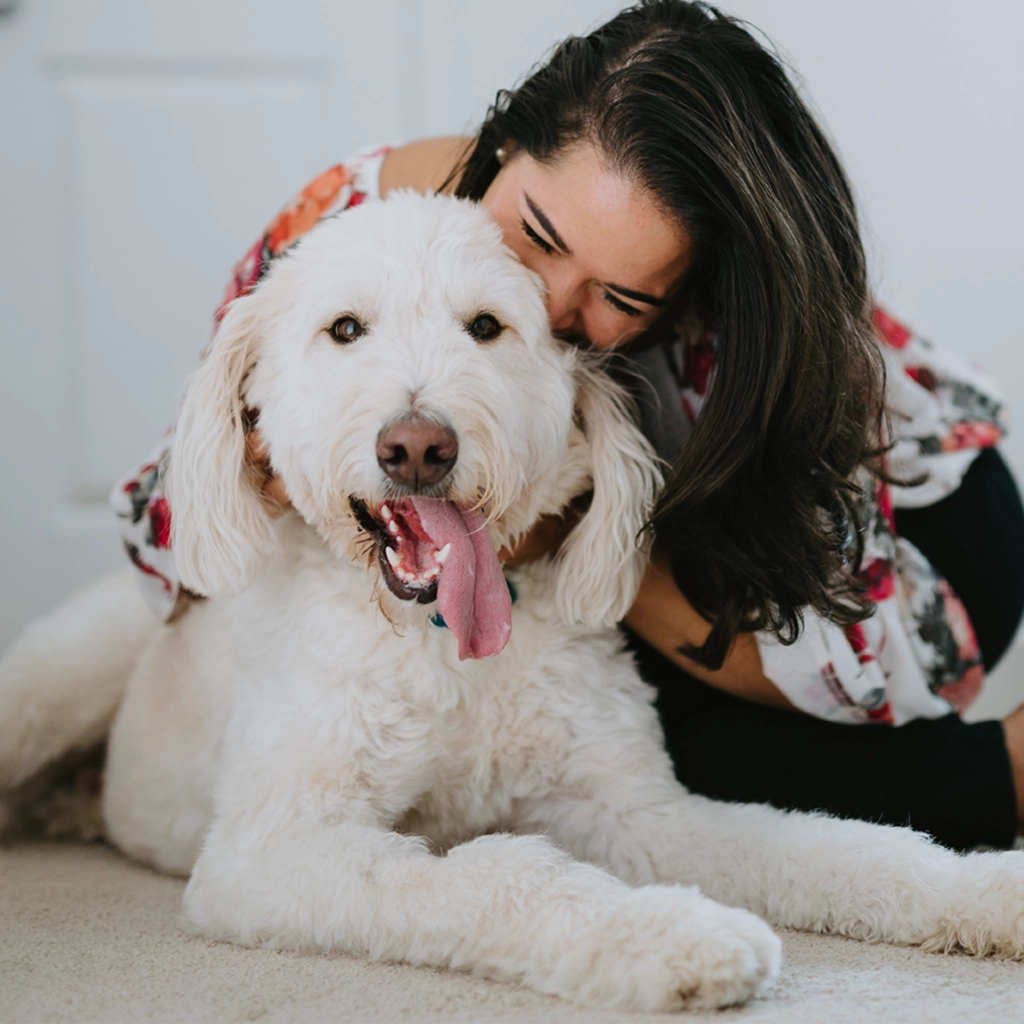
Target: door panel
[[145, 146], [152, 233]]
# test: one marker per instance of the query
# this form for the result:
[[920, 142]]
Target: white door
[[143, 146]]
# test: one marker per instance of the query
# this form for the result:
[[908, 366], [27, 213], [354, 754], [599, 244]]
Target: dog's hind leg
[[62, 680], [805, 871]]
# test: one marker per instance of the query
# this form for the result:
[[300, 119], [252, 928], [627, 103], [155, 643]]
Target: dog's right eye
[[346, 329], [484, 327]]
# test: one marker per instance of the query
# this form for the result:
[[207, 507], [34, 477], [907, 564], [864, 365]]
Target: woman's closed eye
[[541, 243], [546, 247], [623, 307]]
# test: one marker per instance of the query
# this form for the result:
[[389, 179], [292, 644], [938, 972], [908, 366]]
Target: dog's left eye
[[484, 327], [346, 329]]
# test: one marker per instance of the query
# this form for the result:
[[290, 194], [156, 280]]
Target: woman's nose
[[562, 321], [563, 307]]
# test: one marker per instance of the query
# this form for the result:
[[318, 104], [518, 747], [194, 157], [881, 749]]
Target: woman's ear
[[602, 562], [220, 529]]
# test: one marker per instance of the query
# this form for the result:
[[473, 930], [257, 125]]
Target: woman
[[665, 180]]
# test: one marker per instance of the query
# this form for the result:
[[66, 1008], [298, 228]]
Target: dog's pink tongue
[[472, 594]]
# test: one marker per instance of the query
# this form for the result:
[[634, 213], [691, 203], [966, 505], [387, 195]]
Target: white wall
[[105, 296]]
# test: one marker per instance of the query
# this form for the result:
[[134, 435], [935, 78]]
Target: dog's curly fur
[[335, 778]]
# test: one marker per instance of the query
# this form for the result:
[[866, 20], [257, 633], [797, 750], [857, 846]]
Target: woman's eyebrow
[[651, 300], [547, 225]]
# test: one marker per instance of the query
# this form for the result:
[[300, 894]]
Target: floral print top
[[916, 657]]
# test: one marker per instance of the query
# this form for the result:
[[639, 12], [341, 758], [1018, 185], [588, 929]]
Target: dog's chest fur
[[437, 747], [492, 749]]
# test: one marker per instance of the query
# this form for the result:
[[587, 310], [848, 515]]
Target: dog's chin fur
[[303, 757]]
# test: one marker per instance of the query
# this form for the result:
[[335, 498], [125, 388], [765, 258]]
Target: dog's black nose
[[415, 451]]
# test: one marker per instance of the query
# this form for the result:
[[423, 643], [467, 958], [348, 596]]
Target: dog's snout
[[415, 451]]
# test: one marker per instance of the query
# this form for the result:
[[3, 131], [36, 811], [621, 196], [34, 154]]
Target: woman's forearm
[[663, 617]]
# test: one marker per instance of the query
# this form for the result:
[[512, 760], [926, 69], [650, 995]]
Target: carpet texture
[[88, 936]]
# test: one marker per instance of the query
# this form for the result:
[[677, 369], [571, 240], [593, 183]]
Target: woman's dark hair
[[759, 512]]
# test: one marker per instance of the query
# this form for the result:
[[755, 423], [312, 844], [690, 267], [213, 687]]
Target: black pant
[[942, 776]]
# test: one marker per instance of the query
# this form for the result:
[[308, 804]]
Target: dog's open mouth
[[410, 561], [430, 550]]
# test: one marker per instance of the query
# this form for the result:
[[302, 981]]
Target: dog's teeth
[[440, 556], [392, 527], [385, 511], [392, 556]]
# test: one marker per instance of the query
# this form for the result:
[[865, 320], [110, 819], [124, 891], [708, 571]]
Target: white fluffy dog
[[336, 767]]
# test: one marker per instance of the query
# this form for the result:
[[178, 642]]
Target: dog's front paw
[[985, 915], [669, 948]]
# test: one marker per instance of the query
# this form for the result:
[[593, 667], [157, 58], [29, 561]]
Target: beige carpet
[[87, 936]]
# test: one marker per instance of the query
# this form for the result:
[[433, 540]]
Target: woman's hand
[[667, 621]]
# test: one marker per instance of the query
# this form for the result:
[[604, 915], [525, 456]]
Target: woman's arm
[[666, 620]]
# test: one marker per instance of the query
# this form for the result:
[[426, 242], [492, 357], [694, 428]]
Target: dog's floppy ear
[[220, 528], [603, 560]]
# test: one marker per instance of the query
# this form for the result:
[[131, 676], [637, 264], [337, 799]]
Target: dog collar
[[437, 619]]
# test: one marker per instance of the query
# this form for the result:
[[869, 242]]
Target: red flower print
[[879, 579], [889, 329], [859, 643], [160, 522], [306, 209], [963, 693], [145, 568], [971, 435], [882, 715], [924, 377], [700, 362], [243, 279]]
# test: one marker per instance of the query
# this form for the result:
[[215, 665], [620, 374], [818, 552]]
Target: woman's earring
[[500, 155]]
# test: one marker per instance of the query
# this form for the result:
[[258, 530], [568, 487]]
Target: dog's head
[[411, 395]]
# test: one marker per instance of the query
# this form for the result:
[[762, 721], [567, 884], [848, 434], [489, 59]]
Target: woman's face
[[609, 256]]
